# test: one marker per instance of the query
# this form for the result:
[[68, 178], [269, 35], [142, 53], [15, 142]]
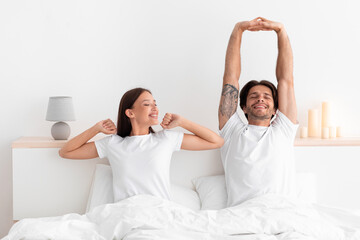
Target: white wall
[[96, 50]]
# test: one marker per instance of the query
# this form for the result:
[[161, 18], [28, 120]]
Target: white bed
[[196, 214], [148, 217]]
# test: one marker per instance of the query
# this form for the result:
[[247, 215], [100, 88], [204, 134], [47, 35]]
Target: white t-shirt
[[257, 159], [140, 164]]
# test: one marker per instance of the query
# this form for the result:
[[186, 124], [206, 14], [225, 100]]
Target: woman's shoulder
[[114, 138], [167, 134], [160, 133]]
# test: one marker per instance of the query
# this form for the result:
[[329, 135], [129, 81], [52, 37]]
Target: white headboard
[[44, 184], [186, 165]]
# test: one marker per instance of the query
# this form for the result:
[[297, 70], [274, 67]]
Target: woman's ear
[[129, 113]]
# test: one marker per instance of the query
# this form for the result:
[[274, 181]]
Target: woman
[[139, 157]]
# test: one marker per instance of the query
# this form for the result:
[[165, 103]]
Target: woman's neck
[[135, 131]]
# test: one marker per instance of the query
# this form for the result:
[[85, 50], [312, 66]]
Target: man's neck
[[257, 122]]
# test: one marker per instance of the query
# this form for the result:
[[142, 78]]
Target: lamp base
[[60, 131]]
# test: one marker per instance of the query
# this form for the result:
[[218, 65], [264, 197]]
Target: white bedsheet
[[142, 217]]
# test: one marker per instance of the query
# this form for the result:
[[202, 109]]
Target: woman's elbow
[[220, 142], [62, 153]]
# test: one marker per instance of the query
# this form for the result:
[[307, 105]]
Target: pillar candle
[[325, 115], [338, 132], [332, 131], [325, 132], [313, 123], [303, 132]]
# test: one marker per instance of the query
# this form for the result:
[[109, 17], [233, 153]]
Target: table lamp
[[60, 109]]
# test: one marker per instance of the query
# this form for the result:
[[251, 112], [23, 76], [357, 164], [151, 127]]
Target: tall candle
[[313, 123], [325, 115]]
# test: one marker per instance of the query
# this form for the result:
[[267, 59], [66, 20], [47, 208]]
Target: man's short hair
[[245, 91]]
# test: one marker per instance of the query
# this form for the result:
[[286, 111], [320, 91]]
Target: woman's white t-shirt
[[257, 159], [140, 164]]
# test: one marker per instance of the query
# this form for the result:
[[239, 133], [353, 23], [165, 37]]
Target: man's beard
[[267, 115]]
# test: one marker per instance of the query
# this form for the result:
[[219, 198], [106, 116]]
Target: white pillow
[[212, 192], [213, 195], [101, 191], [185, 196]]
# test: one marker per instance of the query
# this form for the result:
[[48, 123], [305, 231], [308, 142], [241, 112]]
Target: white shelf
[[41, 142], [48, 142], [342, 141]]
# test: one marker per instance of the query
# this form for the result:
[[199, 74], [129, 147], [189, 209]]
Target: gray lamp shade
[[60, 109]]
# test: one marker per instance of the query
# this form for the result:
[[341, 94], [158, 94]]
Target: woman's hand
[[106, 126], [171, 120]]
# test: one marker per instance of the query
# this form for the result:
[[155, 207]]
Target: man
[[258, 157]]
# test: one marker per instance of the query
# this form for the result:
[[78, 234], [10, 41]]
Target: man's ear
[[273, 114], [129, 113], [244, 109], [274, 111]]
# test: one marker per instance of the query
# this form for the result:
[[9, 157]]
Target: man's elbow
[[231, 77], [286, 80]]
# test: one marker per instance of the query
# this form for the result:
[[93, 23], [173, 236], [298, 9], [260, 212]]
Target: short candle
[[325, 133], [303, 132], [338, 132], [332, 132]]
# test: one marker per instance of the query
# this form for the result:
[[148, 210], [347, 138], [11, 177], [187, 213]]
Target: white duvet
[[143, 217]]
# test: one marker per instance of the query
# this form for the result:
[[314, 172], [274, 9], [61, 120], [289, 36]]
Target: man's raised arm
[[285, 78], [284, 70], [230, 90]]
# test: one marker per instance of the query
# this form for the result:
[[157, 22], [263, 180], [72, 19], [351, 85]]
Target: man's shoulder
[[233, 124], [284, 124], [281, 118]]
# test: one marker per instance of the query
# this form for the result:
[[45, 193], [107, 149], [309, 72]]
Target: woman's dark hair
[[127, 101], [245, 91]]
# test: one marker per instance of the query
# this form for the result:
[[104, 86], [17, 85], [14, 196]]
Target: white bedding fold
[[147, 217]]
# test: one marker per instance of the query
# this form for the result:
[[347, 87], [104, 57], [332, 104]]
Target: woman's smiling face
[[145, 111]]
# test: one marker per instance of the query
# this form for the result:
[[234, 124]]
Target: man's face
[[259, 103]]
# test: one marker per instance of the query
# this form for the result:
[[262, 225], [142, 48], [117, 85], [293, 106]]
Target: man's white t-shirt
[[140, 164], [258, 160]]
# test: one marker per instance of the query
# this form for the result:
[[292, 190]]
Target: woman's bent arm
[[79, 147], [203, 138]]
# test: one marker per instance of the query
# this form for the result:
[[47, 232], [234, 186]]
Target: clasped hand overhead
[[260, 24]]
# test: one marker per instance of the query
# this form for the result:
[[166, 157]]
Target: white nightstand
[[44, 184]]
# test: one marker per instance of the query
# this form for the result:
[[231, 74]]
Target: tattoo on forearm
[[229, 100]]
